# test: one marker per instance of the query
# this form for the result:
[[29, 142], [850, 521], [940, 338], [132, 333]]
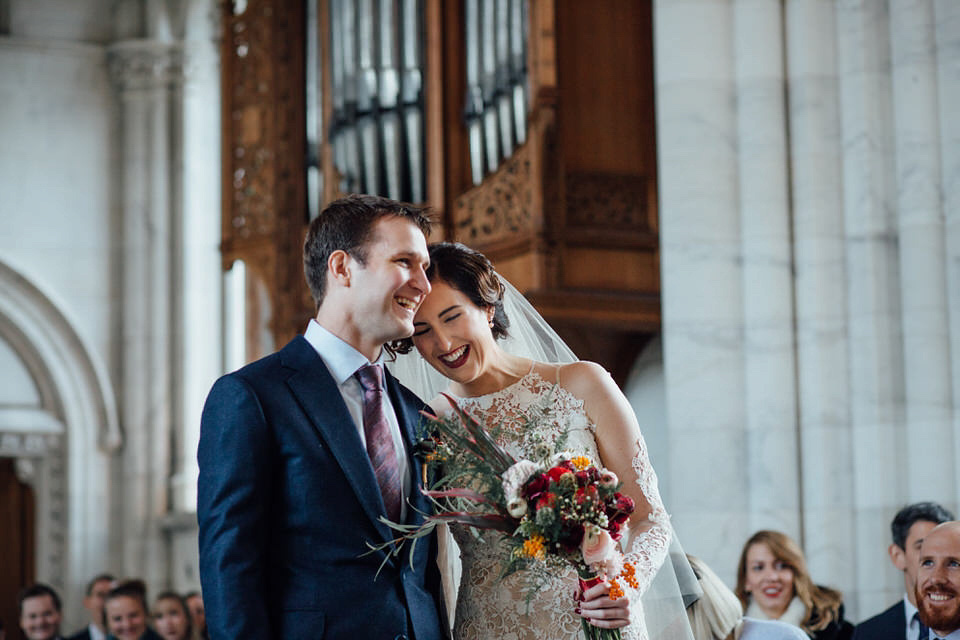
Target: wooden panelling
[[17, 547], [264, 141], [611, 270]]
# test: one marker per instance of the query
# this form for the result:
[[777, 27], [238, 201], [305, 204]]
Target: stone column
[[142, 71], [923, 271], [947, 39], [873, 305], [815, 155], [702, 278], [768, 350], [199, 317]]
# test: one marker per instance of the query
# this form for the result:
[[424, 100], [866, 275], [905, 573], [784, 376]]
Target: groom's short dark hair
[[346, 225]]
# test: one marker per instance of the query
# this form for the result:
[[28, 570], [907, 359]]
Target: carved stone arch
[[63, 447]]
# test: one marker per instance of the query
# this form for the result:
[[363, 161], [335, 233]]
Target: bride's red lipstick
[[459, 362]]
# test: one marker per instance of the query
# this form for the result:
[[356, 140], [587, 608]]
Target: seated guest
[[198, 617], [171, 618], [718, 614], [773, 584], [125, 612], [39, 608], [938, 582], [909, 526], [97, 590]]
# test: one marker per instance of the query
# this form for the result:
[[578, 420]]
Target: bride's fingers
[[596, 591], [606, 617]]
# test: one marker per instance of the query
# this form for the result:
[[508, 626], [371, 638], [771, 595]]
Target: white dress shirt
[[913, 625], [342, 361]]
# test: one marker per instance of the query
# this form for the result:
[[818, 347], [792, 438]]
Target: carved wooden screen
[[527, 126]]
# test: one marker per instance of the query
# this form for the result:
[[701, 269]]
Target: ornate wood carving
[[616, 202], [264, 183], [500, 209]]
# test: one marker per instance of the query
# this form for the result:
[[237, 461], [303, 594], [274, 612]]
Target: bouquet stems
[[591, 632]]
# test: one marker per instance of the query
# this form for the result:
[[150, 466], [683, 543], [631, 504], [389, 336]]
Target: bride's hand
[[596, 606]]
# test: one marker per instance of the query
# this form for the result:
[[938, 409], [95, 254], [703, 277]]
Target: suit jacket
[[889, 625], [83, 634], [287, 502]]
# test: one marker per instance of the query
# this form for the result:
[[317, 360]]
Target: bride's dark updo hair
[[470, 273]]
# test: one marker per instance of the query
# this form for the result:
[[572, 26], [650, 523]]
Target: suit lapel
[[408, 417], [318, 394]]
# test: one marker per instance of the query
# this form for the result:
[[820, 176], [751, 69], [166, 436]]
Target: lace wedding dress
[[489, 607]]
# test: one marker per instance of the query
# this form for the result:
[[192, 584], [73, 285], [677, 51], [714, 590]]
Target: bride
[[460, 330]]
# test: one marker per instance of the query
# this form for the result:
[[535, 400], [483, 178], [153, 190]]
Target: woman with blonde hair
[[773, 583], [718, 614]]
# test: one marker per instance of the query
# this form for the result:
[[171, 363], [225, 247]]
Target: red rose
[[554, 473], [588, 476], [624, 503], [614, 529], [536, 485], [547, 500]]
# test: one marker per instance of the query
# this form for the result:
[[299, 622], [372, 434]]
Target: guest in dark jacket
[[97, 590], [909, 527], [773, 583]]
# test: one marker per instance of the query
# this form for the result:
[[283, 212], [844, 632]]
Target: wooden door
[[17, 553]]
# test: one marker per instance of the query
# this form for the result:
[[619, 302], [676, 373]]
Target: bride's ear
[[490, 313]]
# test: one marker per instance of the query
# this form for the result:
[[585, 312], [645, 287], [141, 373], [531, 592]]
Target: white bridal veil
[[675, 585]]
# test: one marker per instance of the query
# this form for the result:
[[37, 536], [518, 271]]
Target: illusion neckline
[[530, 372]]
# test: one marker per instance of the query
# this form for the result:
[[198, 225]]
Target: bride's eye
[[451, 318], [417, 334]]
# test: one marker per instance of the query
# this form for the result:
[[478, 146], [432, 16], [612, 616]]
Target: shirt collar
[[908, 609], [341, 359]]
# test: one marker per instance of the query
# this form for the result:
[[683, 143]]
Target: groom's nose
[[420, 280]]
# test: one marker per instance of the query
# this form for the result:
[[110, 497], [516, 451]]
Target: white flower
[[609, 479], [515, 477], [517, 507]]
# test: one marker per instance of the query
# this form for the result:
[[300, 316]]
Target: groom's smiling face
[[388, 287]]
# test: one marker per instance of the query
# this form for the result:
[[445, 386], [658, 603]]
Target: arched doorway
[[58, 429]]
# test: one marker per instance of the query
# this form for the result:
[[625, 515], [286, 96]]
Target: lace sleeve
[[648, 549]]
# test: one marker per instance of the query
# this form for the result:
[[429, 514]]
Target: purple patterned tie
[[380, 448]]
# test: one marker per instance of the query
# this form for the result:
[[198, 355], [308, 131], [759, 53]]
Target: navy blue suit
[[889, 625], [287, 500]]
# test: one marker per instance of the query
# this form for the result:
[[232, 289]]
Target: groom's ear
[[338, 267]]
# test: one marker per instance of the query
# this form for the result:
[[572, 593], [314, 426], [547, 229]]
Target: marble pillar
[[768, 347], [142, 71], [702, 276], [947, 39], [873, 303], [923, 273]]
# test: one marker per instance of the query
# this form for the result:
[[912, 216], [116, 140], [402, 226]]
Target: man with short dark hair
[[97, 590], [304, 453], [908, 529], [938, 582], [39, 608]]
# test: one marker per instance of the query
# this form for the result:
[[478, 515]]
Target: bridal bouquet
[[556, 511]]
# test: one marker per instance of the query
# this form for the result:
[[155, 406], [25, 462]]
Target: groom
[[302, 452]]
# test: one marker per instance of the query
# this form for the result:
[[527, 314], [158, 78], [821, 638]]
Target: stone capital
[[144, 64]]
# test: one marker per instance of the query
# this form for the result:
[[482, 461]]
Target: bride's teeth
[[455, 355]]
